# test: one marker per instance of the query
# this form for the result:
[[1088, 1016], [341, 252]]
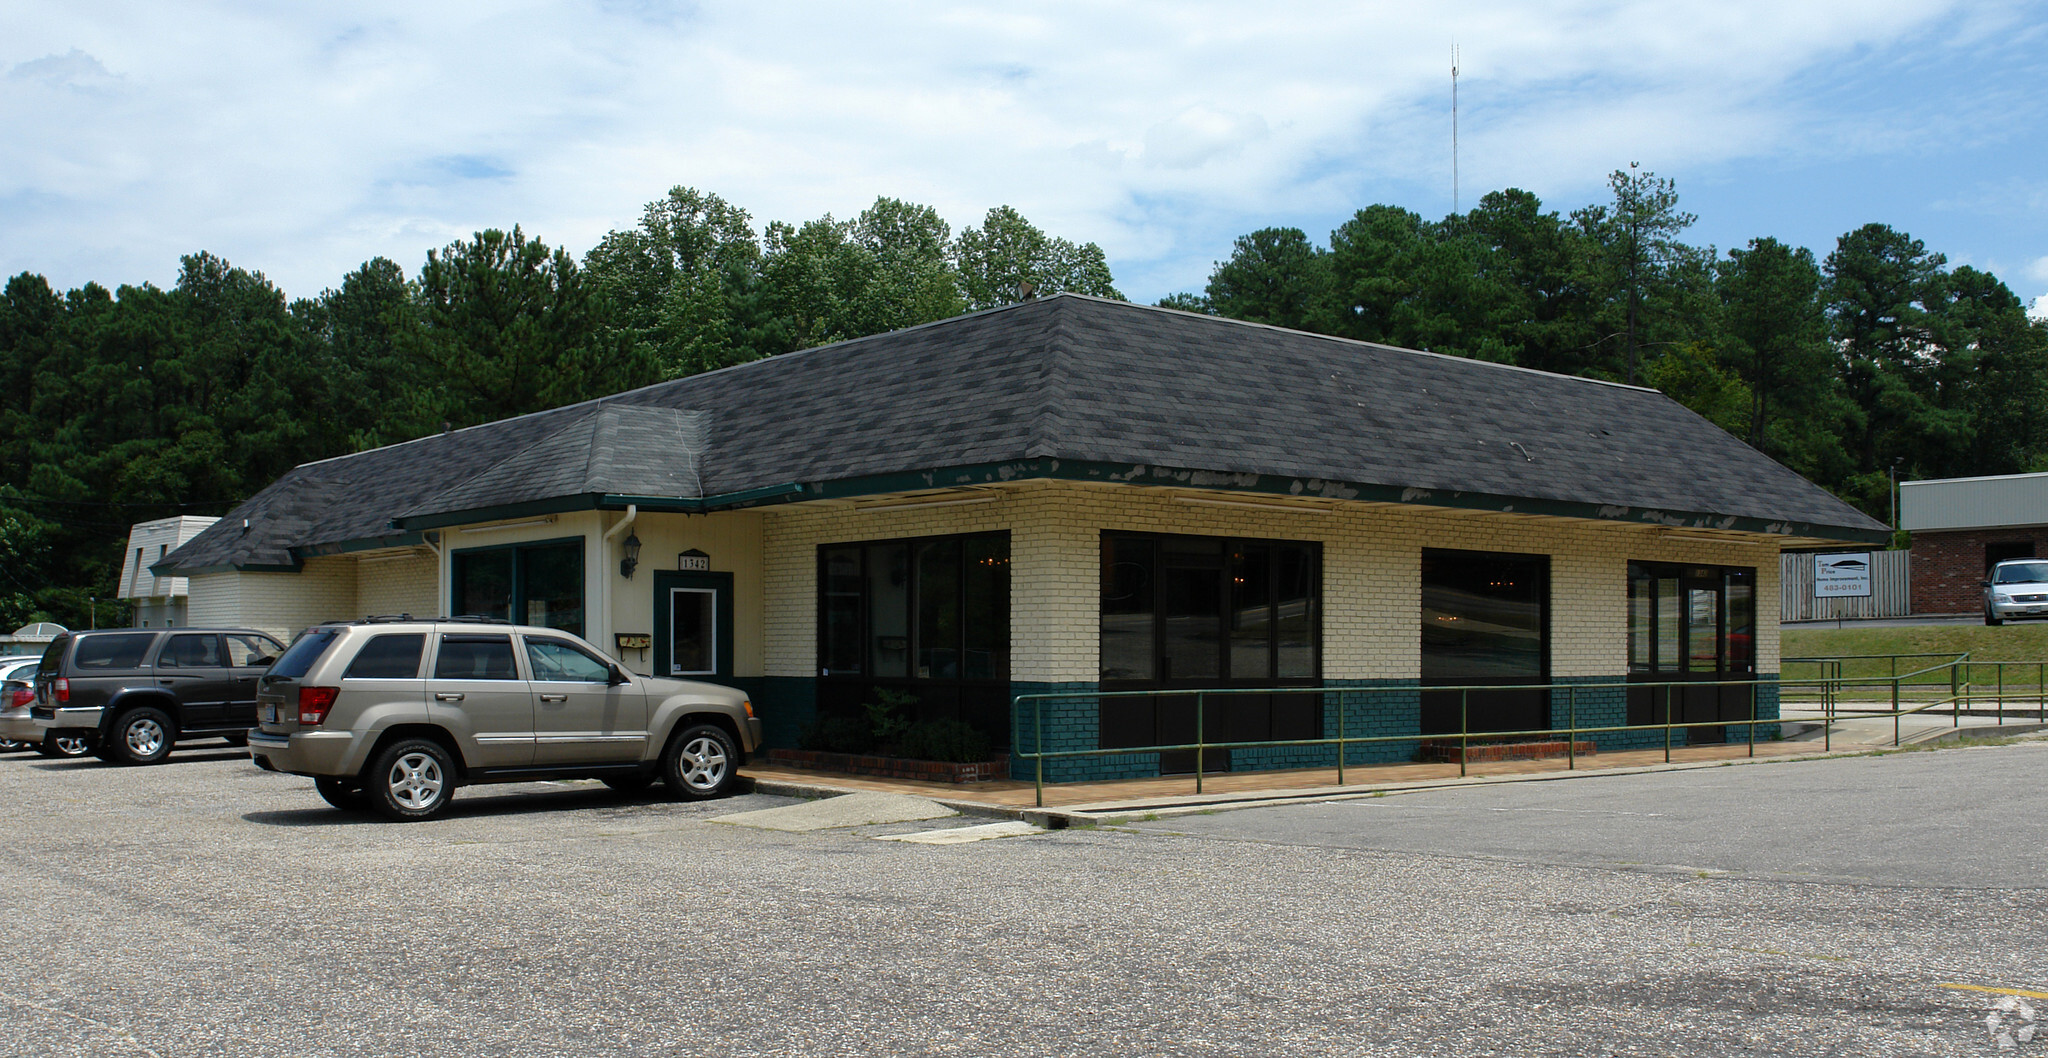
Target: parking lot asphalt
[[203, 907]]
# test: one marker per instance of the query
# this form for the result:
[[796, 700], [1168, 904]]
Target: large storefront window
[[1206, 611], [1696, 624], [1485, 621], [929, 616], [536, 584]]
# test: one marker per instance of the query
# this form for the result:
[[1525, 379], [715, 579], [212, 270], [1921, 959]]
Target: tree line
[[124, 405], [1876, 360]]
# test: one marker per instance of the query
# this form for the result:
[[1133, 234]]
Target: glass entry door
[[1691, 624], [693, 626]]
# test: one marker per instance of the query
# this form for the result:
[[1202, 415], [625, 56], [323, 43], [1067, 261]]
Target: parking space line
[[2021, 992]]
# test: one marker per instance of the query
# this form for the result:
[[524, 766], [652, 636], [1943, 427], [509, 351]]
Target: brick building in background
[[1962, 527]]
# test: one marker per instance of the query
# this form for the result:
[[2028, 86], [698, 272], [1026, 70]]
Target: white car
[[17, 693], [2018, 588]]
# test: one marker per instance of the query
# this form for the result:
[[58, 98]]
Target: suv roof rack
[[399, 618]]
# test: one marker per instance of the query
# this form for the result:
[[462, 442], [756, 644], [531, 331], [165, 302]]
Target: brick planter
[[1445, 750], [891, 767]]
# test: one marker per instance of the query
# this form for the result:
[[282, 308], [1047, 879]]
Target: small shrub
[[889, 714], [837, 734], [944, 740]]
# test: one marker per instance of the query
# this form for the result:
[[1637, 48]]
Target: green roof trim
[[253, 567], [368, 543], [596, 501]]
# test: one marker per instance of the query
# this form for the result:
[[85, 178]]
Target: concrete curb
[[1103, 813]]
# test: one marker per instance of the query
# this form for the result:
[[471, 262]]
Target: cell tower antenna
[[1454, 128]]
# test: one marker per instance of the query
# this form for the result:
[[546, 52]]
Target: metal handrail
[[1343, 741], [1962, 690]]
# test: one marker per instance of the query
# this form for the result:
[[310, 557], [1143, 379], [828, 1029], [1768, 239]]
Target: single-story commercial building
[[1073, 495], [1962, 527]]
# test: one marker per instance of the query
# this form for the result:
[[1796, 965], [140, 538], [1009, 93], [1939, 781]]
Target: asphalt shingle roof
[[1069, 378]]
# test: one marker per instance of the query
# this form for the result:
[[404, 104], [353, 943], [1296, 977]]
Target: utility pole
[[1635, 250], [1895, 492], [1454, 129]]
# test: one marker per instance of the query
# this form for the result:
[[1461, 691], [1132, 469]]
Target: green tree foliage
[[353, 351], [1404, 281], [682, 288], [141, 403], [505, 326], [1877, 360], [1637, 252], [1276, 276], [1007, 256], [136, 403], [1538, 265]]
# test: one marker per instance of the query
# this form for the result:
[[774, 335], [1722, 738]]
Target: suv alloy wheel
[[699, 763], [56, 745], [142, 735], [413, 779]]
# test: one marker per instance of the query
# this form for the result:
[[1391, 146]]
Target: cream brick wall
[[1372, 580], [733, 539], [398, 582]]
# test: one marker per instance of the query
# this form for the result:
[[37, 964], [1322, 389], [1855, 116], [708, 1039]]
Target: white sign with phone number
[[1841, 576]]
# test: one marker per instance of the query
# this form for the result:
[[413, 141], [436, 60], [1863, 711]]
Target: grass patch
[[2025, 646], [2013, 642]]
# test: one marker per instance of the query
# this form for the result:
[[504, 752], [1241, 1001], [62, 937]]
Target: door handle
[[445, 696], [167, 682], [554, 697]]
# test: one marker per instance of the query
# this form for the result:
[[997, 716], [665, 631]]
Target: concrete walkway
[[1070, 804]]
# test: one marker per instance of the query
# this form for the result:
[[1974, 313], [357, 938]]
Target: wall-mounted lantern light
[[632, 560]]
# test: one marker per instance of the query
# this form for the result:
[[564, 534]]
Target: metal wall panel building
[[1973, 503]]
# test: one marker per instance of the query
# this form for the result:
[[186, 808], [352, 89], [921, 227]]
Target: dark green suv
[[131, 694]]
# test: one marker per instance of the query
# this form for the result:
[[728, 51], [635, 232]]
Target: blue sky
[[303, 142]]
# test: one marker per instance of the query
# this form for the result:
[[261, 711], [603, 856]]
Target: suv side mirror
[[1983, 583], [619, 676]]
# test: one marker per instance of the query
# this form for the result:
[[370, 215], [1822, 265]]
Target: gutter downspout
[[438, 544], [605, 578]]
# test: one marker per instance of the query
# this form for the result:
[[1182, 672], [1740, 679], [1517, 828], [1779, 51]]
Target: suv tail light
[[314, 703], [62, 687]]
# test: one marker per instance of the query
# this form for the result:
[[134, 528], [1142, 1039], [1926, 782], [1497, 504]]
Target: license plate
[[270, 714]]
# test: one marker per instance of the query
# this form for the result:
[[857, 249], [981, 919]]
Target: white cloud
[[304, 140]]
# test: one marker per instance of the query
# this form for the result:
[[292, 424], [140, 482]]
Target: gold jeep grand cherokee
[[394, 713]]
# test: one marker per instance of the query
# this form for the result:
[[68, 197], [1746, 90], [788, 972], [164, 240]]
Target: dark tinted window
[[467, 657], [249, 651], [303, 652], [53, 656], [387, 658], [2021, 573], [1483, 616], [112, 652], [190, 652]]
